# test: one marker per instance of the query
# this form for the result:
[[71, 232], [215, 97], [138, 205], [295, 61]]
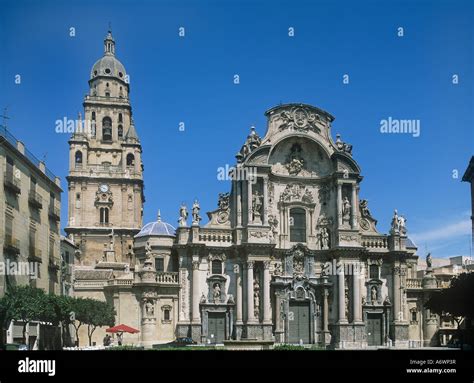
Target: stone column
[[354, 206], [356, 294], [265, 200], [238, 281], [267, 313], [339, 204], [250, 308], [325, 310], [277, 313], [342, 296], [195, 308], [239, 202], [396, 295], [249, 201]]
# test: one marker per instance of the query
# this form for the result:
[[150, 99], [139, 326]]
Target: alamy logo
[[393, 125], [37, 366]]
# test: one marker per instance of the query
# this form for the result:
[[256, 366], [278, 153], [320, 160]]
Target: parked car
[[178, 342]]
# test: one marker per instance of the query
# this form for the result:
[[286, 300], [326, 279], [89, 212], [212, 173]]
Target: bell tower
[[105, 181]]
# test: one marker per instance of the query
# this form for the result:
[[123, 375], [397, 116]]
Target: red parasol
[[122, 328]]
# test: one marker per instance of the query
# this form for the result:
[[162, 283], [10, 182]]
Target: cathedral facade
[[291, 254]]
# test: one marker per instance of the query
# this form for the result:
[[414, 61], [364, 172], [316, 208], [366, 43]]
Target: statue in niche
[[195, 213], [374, 294], [346, 209], [324, 238], [150, 308], [256, 205], [295, 160], [217, 293], [183, 215]]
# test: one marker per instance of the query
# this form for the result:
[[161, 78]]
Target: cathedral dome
[[109, 65], [158, 228]]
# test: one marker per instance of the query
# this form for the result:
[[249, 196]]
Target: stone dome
[[158, 228], [109, 65]]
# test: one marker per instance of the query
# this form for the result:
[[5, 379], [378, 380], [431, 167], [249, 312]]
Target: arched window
[[120, 117], [107, 129], [78, 159], [297, 225], [216, 267], [104, 215], [120, 131], [130, 159]]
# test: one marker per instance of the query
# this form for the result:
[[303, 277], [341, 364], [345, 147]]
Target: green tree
[[26, 304], [64, 314], [98, 314], [79, 317]]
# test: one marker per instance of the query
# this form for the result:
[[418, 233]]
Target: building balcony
[[35, 254], [54, 213], [53, 264], [12, 183], [35, 200], [167, 278], [11, 245], [414, 283]]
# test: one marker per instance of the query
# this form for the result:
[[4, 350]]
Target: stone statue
[[295, 162], [196, 208], [256, 204], [203, 298], [324, 238], [364, 208], [395, 223], [373, 294], [150, 308], [273, 222], [429, 261], [183, 215], [223, 202], [217, 293], [307, 197], [402, 224], [148, 249], [346, 209]]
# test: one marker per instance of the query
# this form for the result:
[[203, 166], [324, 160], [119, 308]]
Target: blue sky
[[190, 79]]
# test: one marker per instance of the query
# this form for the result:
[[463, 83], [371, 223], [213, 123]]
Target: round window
[[107, 70], [95, 73], [120, 74]]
